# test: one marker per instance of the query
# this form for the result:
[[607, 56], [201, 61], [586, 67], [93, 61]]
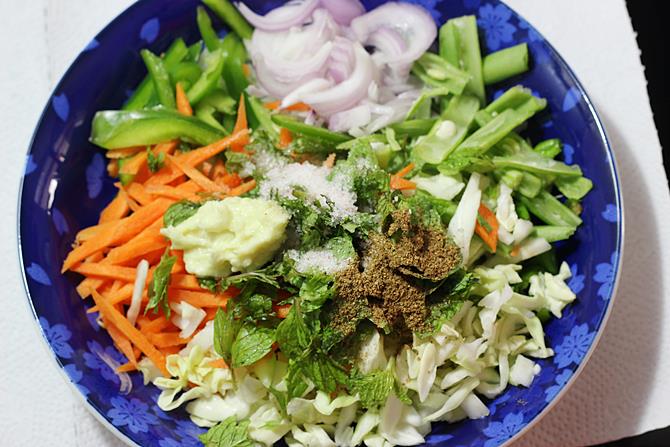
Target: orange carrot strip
[[197, 176], [297, 107], [134, 206], [124, 152], [106, 271], [91, 232], [218, 363], [95, 257], [185, 281], [285, 138], [138, 246], [183, 105], [282, 311], [515, 251], [172, 192], [170, 350], [133, 165], [139, 194], [124, 230], [401, 184], [121, 296], [157, 325], [240, 124], [330, 161], [193, 158], [232, 180], [166, 339], [126, 367], [406, 170], [490, 237], [243, 188], [117, 209], [197, 299], [112, 315], [84, 288], [121, 341]]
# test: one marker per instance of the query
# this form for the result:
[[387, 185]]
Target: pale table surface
[[622, 391]]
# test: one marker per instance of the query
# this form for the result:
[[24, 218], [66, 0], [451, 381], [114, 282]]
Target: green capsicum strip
[[313, 132], [160, 77], [118, 128], [231, 16]]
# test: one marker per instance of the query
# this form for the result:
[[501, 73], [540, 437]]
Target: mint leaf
[[179, 212], [373, 389], [225, 331], [159, 284], [228, 433], [251, 345], [315, 290], [293, 335], [268, 276], [322, 371], [155, 162]]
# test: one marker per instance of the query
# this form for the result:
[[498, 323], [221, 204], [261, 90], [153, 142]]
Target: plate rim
[[620, 246]]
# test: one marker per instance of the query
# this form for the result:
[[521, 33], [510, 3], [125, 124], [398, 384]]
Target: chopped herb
[[159, 284], [228, 433], [251, 345], [155, 162], [179, 212]]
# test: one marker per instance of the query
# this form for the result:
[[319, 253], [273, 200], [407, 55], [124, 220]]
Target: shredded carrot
[[84, 288], [515, 251], [166, 339], [137, 192], [172, 192], [132, 204], [243, 188], [197, 176], [246, 69], [330, 161], [218, 363], [157, 325], [488, 235], [124, 152], [117, 209], [285, 138], [183, 105], [124, 230], [146, 242], [106, 271], [398, 182], [197, 299], [113, 168], [95, 257], [133, 165], [282, 311], [193, 158], [185, 281], [113, 316], [232, 180], [218, 170], [126, 367], [240, 124], [121, 341], [297, 107]]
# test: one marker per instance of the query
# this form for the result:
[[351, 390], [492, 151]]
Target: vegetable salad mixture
[[323, 232]]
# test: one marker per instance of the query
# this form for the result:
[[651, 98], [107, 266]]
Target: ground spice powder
[[384, 284]]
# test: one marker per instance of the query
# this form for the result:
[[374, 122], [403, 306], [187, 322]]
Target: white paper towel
[[622, 391]]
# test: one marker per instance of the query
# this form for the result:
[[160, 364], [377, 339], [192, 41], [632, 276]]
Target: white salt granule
[[313, 180], [321, 260]]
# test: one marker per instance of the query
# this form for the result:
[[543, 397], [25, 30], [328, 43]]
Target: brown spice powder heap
[[382, 286]]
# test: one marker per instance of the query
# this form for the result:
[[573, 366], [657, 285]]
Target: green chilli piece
[[231, 16], [435, 71], [459, 44], [550, 210], [234, 56], [449, 131], [115, 129], [549, 148], [143, 93], [187, 73], [313, 132], [553, 233], [209, 80], [209, 36], [505, 63], [263, 116], [531, 161], [160, 77], [413, 128]]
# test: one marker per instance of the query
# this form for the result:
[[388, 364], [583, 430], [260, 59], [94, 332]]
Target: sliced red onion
[[341, 60], [343, 11], [282, 18], [355, 117], [412, 22], [388, 41], [289, 71], [278, 89], [313, 86], [347, 93]]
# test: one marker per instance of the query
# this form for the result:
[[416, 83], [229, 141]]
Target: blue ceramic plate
[[65, 186]]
